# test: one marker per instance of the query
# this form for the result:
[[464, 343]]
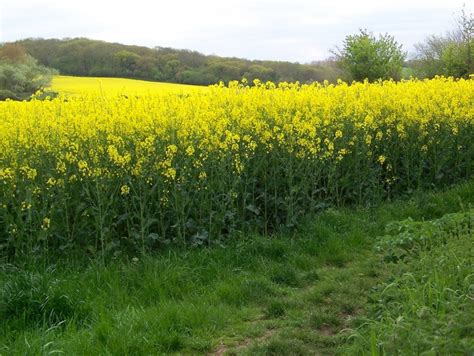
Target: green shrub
[[408, 237], [23, 77]]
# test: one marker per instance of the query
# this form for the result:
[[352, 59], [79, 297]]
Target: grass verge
[[321, 289]]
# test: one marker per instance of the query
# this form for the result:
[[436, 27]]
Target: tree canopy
[[364, 56]]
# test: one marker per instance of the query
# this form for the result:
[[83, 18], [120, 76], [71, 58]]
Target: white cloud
[[300, 30]]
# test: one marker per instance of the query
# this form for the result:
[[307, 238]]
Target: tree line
[[86, 57]]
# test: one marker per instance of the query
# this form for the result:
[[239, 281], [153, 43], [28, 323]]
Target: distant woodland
[[85, 57]]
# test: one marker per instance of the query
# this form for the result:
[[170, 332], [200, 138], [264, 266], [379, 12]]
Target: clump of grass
[[275, 309], [29, 299], [311, 276], [285, 275], [244, 291], [280, 346], [322, 318]]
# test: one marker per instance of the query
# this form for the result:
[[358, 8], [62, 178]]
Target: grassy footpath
[[322, 289]]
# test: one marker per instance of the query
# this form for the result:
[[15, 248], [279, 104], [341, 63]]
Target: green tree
[[466, 39], [450, 54], [257, 71], [127, 61], [171, 69], [21, 75], [13, 52], [364, 56]]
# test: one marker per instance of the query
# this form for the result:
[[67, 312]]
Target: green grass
[[427, 306], [320, 289]]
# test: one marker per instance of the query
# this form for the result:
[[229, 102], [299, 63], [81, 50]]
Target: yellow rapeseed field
[[137, 171], [114, 86]]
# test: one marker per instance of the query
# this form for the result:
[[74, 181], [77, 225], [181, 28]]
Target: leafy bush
[[21, 76], [8, 94], [408, 237]]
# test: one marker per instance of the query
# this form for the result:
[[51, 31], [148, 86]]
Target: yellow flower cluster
[[278, 148]]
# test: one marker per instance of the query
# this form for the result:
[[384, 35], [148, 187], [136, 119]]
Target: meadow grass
[[317, 289]]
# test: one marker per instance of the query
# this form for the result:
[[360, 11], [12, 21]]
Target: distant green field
[[83, 85]]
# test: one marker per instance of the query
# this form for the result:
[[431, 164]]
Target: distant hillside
[[85, 57]]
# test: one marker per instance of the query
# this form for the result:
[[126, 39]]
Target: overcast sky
[[296, 30]]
